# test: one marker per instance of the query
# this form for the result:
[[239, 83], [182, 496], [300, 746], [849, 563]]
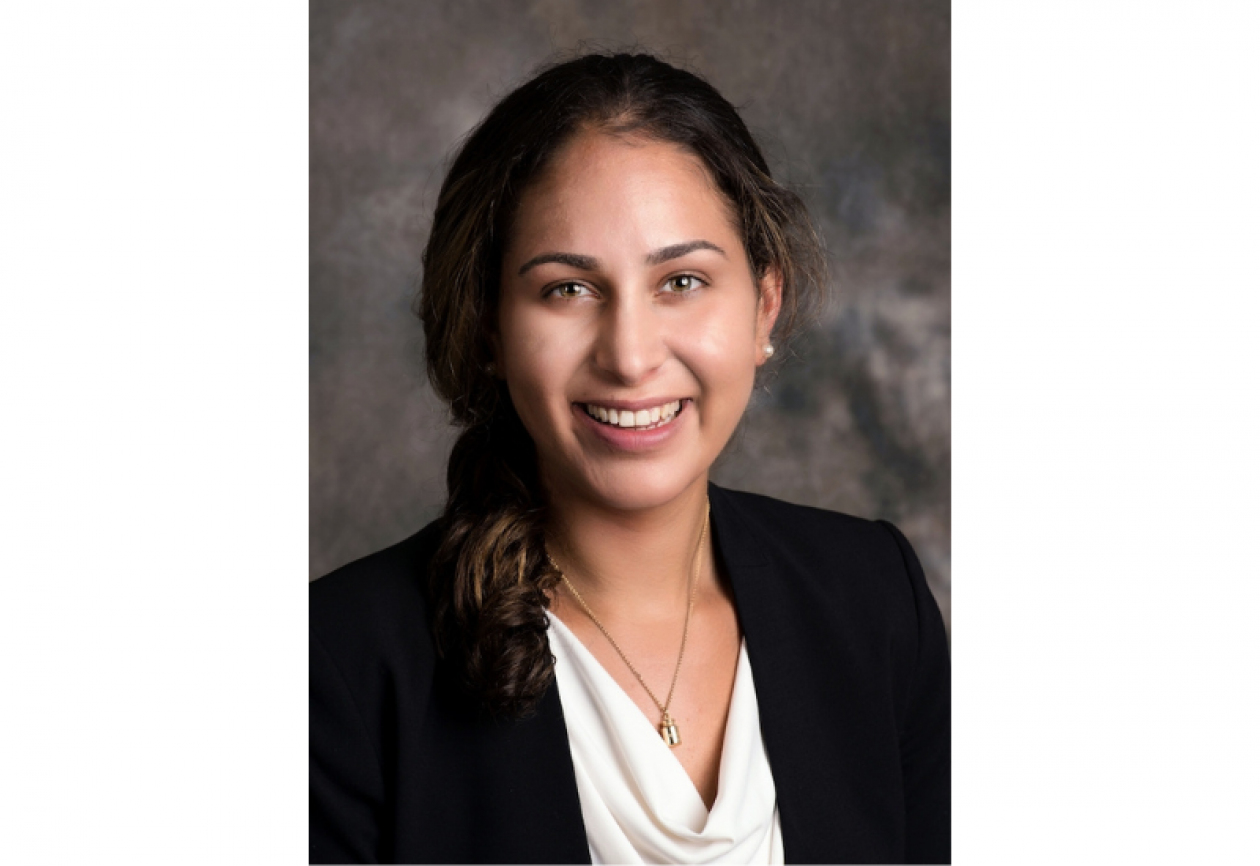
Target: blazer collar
[[783, 658]]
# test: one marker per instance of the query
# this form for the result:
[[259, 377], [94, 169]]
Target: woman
[[595, 654]]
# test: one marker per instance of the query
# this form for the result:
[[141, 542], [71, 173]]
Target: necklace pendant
[[669, 732]]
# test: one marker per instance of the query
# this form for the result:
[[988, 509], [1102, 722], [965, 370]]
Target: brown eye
[[570, 290], [683, 283]]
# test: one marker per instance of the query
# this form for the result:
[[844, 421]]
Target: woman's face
[[626, 294]]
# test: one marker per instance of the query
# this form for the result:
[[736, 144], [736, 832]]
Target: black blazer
[[848, 654]]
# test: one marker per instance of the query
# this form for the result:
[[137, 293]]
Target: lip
[[627, 438]]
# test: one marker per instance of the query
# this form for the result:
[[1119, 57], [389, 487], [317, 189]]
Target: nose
[[631, 342]]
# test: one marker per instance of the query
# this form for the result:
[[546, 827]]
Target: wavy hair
[[490, 576]]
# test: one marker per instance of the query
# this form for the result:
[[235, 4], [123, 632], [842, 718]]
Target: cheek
[[721, 353], [523, 345], [536, 367]]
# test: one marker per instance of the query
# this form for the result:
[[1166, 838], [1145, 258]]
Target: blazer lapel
[[507, 791], [783, 652]]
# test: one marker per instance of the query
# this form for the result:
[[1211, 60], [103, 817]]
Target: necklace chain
[[666, 721]]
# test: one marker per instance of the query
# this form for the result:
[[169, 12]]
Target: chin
[[638, 488]]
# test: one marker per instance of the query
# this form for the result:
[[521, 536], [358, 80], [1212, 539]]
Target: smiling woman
[[640, 310], [596, 654]]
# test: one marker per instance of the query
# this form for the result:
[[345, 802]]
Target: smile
[[641, 419]]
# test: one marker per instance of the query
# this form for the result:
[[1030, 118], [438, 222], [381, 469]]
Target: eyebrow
[[590, 263], [675, 251]]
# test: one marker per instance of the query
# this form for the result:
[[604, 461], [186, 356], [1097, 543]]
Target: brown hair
[[490, 577]]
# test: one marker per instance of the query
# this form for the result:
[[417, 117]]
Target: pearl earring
[[769, 350]]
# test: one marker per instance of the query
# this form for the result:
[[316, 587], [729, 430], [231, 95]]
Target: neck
[[632, 565]]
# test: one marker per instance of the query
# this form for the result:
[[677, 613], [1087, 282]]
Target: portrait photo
[[630, 393]]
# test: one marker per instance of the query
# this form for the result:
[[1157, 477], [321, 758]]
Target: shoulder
[[802, 531], [787, 516], [375, 608], [828, 561]]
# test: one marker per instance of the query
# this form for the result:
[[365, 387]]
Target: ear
[[769, 302]]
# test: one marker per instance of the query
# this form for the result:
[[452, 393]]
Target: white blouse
[[638, 802]]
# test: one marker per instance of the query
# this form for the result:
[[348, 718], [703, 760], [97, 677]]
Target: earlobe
[[769, 302]]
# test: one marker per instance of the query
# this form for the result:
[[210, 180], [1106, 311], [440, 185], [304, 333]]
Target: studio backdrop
[[850, 102]]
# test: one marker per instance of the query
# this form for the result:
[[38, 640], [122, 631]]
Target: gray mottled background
[[851, 103]]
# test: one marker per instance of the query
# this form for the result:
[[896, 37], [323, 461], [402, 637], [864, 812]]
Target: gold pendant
[[669, 731]]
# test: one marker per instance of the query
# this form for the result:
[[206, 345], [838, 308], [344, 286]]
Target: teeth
[[643, 418]]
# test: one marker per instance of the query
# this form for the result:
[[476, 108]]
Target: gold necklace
[[668, 728]]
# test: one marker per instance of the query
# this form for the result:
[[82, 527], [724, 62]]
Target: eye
[[569, 290], [683, 283]]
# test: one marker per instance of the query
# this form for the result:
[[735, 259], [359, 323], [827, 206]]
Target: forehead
[[601, 186]]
